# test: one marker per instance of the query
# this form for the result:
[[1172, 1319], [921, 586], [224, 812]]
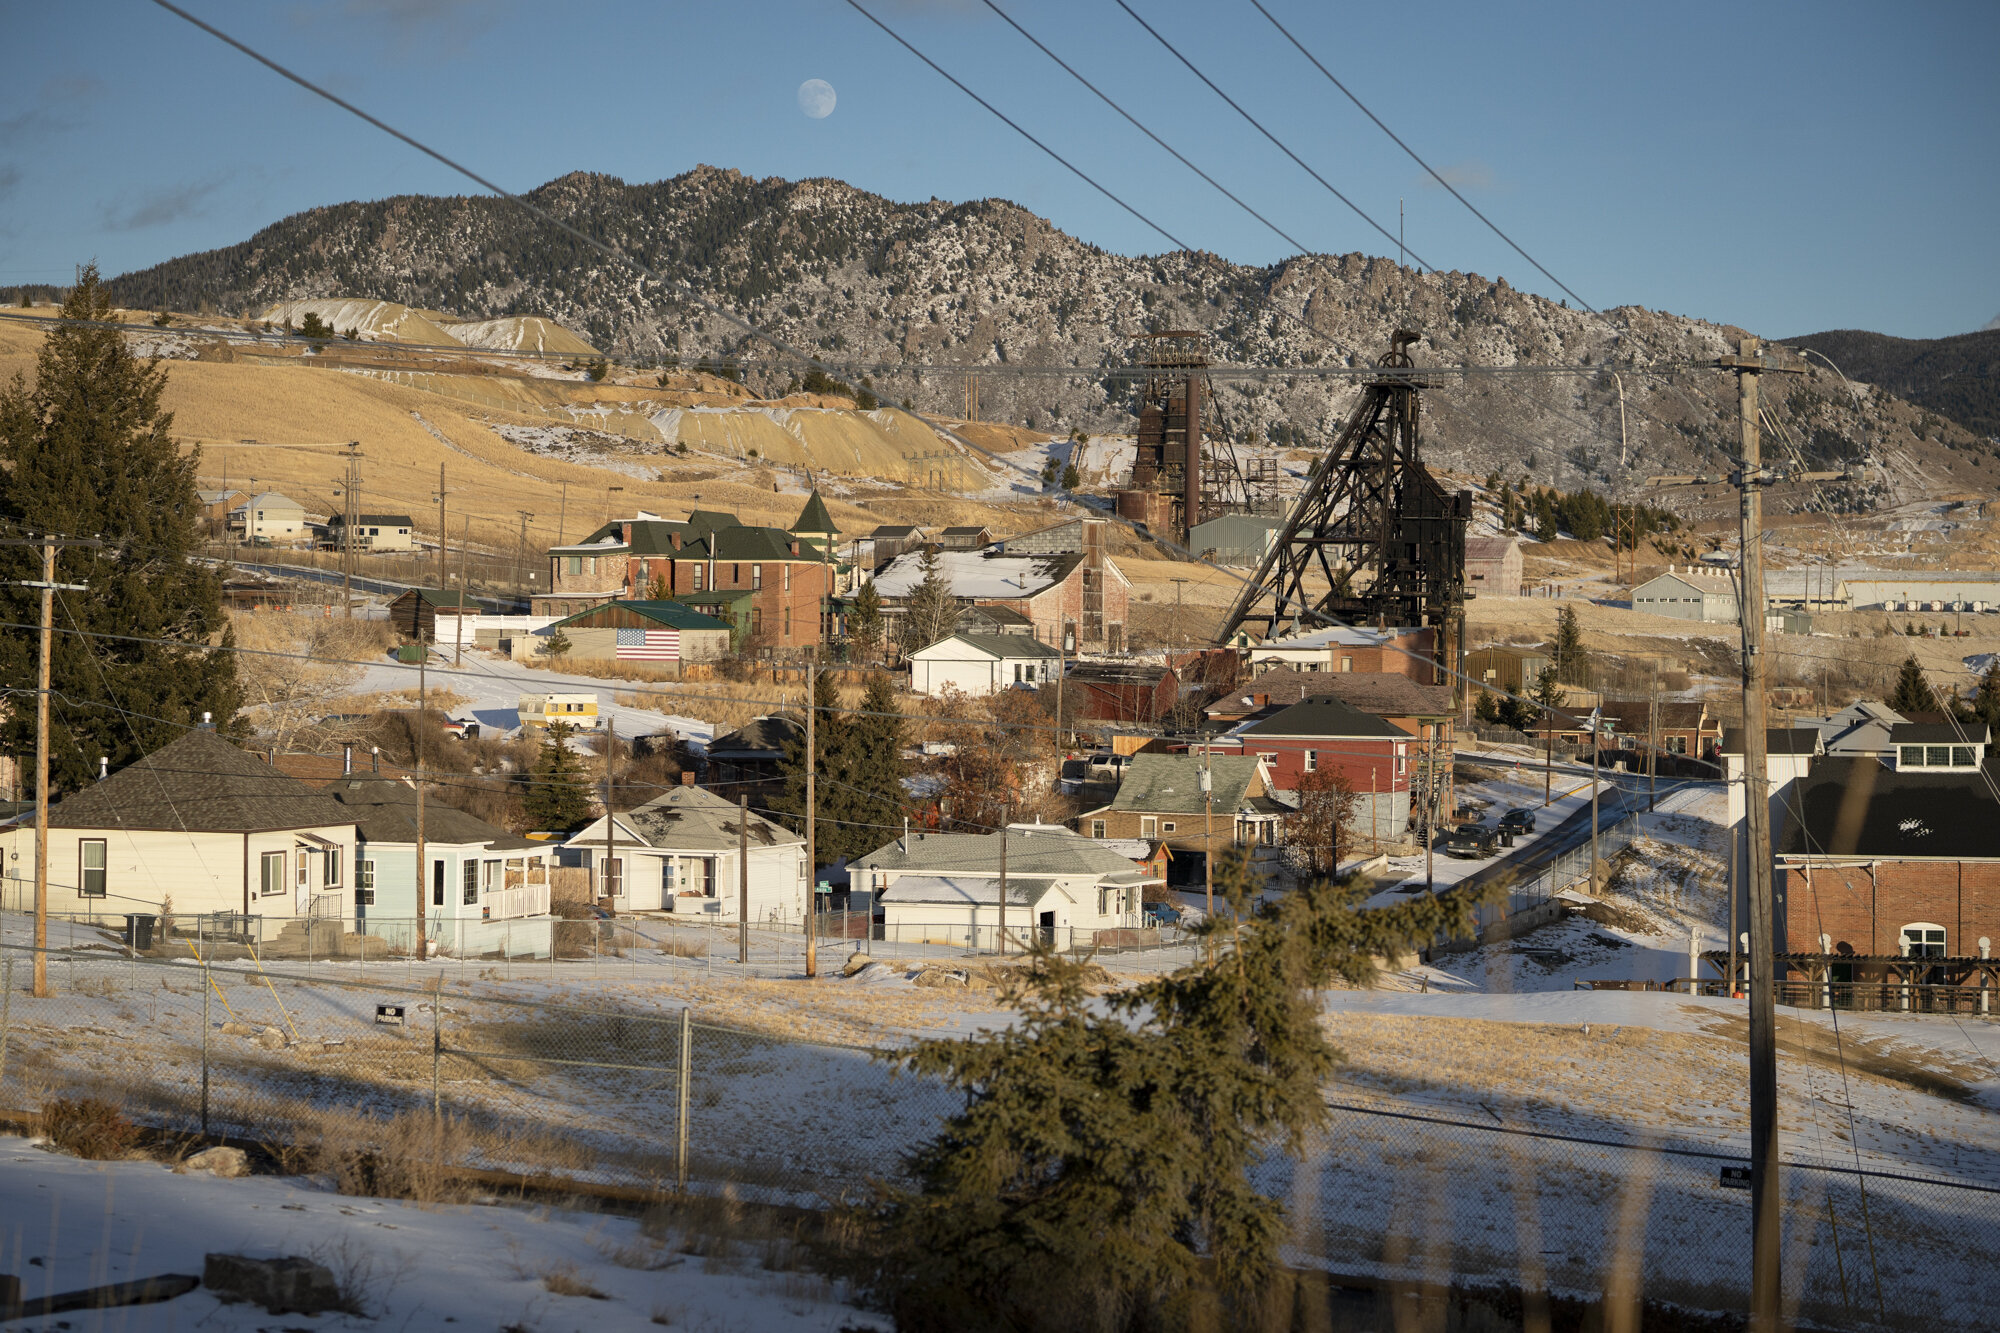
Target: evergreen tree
[[557, 797], [841, 805], [1986, 699], [1546, 528], [1568, 654], [1071, 478], [85, 451], [1099, 1175], [1912, 693], [879, 769], [864, 622], [932, 612]]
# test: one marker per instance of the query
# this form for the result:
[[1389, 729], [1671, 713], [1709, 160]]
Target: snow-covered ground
[[494, 685], [67, 1224]]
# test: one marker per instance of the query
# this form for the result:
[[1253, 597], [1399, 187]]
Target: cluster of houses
[[269, 518]]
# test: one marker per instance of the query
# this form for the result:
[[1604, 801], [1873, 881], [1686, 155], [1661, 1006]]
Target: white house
[[270, 517], [197, 821], [679, 852], [487, 889], [945, 888], [982, 664], [372, 532]]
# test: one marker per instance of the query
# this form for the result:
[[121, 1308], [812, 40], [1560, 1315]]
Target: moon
[[816, 98]]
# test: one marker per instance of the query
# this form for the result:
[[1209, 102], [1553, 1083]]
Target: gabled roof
[[1324, 718], [671, 614], [439, 597], [709, 520], [965, 891], [1777, 740], [997, 646], [1171, 783], [741, 543], [977, 619], [763, 735], [1634, 716], [895, 530], [971, 530], [1861, 807], [814, 519], [271, 500], [200, 783], [1489, 548], [1028, 854], [696, 819], [386, 811]]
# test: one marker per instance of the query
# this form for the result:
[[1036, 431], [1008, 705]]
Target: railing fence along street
[[386, 1085]]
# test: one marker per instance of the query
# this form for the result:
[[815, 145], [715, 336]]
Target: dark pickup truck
[[1471, 842]]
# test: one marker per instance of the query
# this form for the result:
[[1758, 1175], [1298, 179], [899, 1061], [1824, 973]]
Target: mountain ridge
[[852, 276]]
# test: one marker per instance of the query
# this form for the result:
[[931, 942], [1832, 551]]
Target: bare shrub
[[89, 1128], [364, 1283], [564, 1280]]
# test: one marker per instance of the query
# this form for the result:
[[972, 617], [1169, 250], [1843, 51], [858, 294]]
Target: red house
[[1377, 758]]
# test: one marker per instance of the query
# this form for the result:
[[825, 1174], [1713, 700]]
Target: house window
[[1923, 940], [437, 884], [1312, 761], [614, 877], [1937, 756], [469, 877], [1961, 756], [1913, 756], [271, 874], [788, 622], [493, 876], [666, 877], [1096, 828], [756, 578], [330, 868], [697, 578], [91, 857], [1017, 673], [1149, 826], [1347, 664], [756, 620], [1167, 827], [788, 578], [573, 565], [364, 883]]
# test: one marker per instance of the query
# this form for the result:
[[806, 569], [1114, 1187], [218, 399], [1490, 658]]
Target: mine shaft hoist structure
[[1184, 468], [1374, 540]]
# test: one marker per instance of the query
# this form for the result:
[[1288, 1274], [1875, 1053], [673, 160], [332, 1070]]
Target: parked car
[[1162, 914], [1469, 842], [1518, 820], [462, 728]]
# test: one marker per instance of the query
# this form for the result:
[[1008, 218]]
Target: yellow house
[[199, 822], [538, 710]]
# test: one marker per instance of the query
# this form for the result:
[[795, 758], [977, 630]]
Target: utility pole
[[1006, 811], [1596, 748], [458, 621], [562, 517], [521, 550], [441, 540], [1653, 742], [50, 544], [1062, 669], [610, 811], [742, 878], [1766, 1198], [423, 697], [350, 517], [812, 814], [1208, 828]]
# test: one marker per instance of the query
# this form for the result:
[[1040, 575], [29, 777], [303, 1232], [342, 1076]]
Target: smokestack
[[346, 759], [103, 768], [208, 722]]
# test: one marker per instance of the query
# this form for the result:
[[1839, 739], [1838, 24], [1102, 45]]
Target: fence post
[[687, 1067], [437, 1047], [6, 1011], [207, 1000]]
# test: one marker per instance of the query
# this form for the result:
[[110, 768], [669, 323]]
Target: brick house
[[1376, 758], [1426, 712], [1121, 691], [791, 577], [1686, 729], [1890, 871], [1160, 800]]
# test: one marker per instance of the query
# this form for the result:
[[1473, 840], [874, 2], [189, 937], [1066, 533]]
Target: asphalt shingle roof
[[672, 614], [965, 891], [1325, 717], [1938, 733], [1862, 807], [814, 519], [386, 811], [1028, 854], [1384, 693], [696, 819], [1002, 645], [1171, 783], [763, 735], [203, 784]]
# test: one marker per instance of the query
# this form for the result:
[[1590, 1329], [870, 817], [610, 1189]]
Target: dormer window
[[1937, 756]]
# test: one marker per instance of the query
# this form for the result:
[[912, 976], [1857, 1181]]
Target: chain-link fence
[[413, 1082]]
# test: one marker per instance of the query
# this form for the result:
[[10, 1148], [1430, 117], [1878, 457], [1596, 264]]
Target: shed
[[980, 664], [415, 613], [965, 538], [642, 631], [1493, 566]]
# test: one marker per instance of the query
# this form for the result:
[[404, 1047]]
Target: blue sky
[[1785, 167]]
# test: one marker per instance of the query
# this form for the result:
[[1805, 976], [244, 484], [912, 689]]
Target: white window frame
[[1149, 826], [85, 870], [1312, 761], [270, 873], [468, 877], [1927, 928]]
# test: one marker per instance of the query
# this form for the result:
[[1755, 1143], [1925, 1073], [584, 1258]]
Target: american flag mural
[[649, 645]]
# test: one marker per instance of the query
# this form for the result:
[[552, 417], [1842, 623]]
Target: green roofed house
[[815, 529], [639, 631]]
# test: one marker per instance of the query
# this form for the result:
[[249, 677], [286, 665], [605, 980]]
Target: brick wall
[[1866, 909]]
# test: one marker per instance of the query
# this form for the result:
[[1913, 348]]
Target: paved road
[[1624, 796]]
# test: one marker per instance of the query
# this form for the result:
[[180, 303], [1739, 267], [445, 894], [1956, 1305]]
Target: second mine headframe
[[1179, 476], [1374, 540]]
